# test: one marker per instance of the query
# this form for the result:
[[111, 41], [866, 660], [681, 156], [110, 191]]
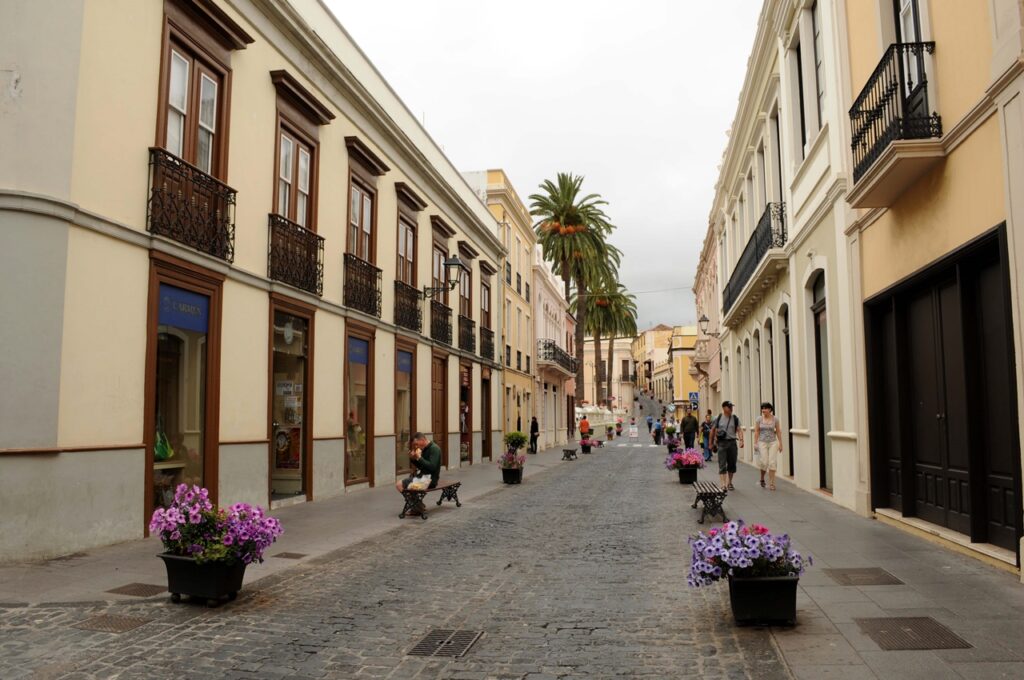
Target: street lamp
[[453, 268], [703, 323]]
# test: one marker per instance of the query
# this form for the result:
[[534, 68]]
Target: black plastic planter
[[687, 475], [766, 600], [584, 449], [512, 475], [213, 581]]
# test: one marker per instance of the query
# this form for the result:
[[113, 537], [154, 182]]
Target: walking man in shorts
[[725, 433]]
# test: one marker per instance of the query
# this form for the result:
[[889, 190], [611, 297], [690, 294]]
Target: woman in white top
[[769, 443]]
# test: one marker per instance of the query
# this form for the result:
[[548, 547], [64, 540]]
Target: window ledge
[[901, 164]]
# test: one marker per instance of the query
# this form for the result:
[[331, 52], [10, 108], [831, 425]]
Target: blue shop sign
[[183, 309], [405, 362], [358, 351]]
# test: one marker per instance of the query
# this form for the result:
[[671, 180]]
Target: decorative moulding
[[409, 197], [290, 89], [367, 158], [467, 249], [220, 26], [441, 227]]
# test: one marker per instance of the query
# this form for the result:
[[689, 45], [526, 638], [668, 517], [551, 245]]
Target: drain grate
[[108, 623], [864, 576], [905, 633], [290, 555], [139, 590], [452, 643]]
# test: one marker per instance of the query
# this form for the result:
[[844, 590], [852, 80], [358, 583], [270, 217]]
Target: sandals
[[762, 483], [771, 488]]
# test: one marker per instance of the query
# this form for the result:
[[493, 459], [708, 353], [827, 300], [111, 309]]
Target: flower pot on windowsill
[[212, 581], [512, 475], [688, 474], [763, 600]]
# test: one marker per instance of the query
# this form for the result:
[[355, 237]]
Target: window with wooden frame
[[360, 221], [466, 294], [406, 251], [485, 305], [299, 117], [294, 200], [437, 258]]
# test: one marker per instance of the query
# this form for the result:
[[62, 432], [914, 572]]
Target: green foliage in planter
[[670, 430], [609, 429], [515, 441]]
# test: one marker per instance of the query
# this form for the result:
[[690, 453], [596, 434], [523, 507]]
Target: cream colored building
[[682, 352], [621, 389], [707, 359], [648, 344], [661, 378], [936, 257], [786, 319], [516, 233], [555, 366], [216, 224]]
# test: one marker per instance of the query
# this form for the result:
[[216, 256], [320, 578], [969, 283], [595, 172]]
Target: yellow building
[[516, 301], [648, 347], [684, 371], [937, 124], [217, 222]]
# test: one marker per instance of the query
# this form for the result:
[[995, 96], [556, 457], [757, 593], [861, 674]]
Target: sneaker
[[731, 488]]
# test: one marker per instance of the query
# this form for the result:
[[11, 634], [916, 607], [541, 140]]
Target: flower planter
[[584, 449], [763, 600], [512, 475], [213, 581], [687, 475]]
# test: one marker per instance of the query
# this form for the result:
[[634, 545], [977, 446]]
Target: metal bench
[[569, 454], [712, 497], [414, 498]]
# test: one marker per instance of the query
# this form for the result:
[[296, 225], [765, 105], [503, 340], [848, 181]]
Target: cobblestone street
[[577, 573]]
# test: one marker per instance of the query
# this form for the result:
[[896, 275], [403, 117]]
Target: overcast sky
[[635, 95]]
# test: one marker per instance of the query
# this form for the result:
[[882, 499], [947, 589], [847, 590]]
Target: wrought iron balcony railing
[[769, 233], [190, 206], [487, 343], [548, 351], [296, 255], [362, 285], [440, 322], [467, 334], [893, 105], [408, 312]]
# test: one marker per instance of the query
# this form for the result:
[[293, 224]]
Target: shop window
[[404, 411], [288, 406], [357, 419]]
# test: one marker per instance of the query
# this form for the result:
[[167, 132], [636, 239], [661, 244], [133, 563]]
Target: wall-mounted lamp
[[453, 268], [703, 323]]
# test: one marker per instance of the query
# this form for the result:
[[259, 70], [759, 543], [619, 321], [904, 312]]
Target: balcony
[[440, 322], [895, 140], [758, 264], [189, 206], [362, 285], [296, 256], [408, 313], [551, 356], [487, 343], [467, 334]]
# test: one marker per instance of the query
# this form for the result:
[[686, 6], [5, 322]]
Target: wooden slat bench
[[569, 454], [414, 498], [712, 497]]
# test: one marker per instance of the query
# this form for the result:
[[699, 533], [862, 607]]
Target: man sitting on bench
[[425, 456]]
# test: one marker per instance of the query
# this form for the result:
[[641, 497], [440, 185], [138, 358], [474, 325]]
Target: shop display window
[[291, 347], [357, 416]]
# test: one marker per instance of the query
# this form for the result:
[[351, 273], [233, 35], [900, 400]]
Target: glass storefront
[[357, 367], [291, 346], [178, 454], [465, 414], [403, 410]]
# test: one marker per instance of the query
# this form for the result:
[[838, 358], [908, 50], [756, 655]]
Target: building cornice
[[384, 130]]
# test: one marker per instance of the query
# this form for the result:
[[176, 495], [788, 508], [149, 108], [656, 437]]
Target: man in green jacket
[[690, 427], [425, 456]]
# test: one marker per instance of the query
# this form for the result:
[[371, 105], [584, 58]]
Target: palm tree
[[611, 313], [571, 230]]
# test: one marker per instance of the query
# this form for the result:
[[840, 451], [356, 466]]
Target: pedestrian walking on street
[[650, 423], [725, 433], [657, 431], [769, 443], [584, 427], [534, 434], [690, 427], [705, 435]]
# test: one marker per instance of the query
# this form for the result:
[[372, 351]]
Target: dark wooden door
[[994, 420], [438, 404], [485, 416]]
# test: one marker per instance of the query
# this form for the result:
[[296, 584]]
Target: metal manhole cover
[[451, 643], [139, 590], [107, 623], [864, 576], [290, 555], [906, 633]]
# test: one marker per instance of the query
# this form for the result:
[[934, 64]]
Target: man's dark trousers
[[688, 439]]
